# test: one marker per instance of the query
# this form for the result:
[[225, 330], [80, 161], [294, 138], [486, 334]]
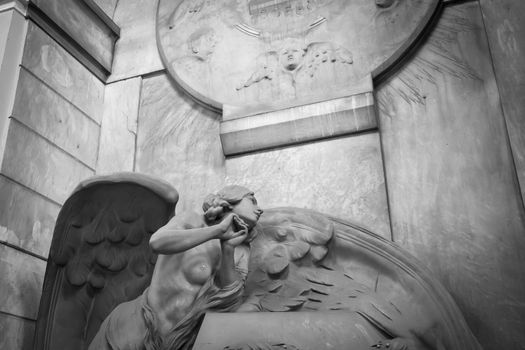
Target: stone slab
[[342, 177], [119, 126], [62, 72], [178, 140], [294, 125], [290, 330], [22, 279], [82, 24], [35, 163], [108, 6], [506, 35], [49, 114], [13, 29], [136, 51], [27, 220], [454, 201], [17, 333]]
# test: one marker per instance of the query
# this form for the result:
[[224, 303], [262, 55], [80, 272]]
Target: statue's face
[[248, 210], [291, 57]]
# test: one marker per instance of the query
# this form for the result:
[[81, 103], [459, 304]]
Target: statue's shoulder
[[188, 220]]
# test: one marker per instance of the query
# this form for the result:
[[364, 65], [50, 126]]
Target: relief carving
[[282, 52], [103, 269], [296, 66]]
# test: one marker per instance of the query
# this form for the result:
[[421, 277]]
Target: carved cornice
[[18, 5], [90, 40]]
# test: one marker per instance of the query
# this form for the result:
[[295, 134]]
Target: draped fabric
[[134, 325]]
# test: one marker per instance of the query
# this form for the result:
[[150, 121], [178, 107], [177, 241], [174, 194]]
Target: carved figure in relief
[[202, 265], [299, 64], [104, 289], [202, 42]]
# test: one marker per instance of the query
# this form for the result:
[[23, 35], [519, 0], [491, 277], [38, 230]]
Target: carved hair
[[215, 206]]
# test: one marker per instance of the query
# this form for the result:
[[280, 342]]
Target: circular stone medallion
[[283, 52]]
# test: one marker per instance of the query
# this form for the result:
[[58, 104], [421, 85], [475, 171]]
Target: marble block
[[22, 278], [314, 121], [27, 220], [39, 165], [47, 60], [342, 177], [178, 140], [119, 126], [17, 333], [58, 120], [454, 199]]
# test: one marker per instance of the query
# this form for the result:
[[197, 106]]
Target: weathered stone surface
[[17, 333], [57, 68], [119, 126], [13, 28], [22, 277], [341, 177], [178, 140], [298, 124], [506, 35], [453, 196], [136, 51], [47, 113], [266, 52], [82, 25], [35, 163], [108, 6], [27, 220]]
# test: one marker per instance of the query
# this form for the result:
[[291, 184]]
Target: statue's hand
[[233, 227]]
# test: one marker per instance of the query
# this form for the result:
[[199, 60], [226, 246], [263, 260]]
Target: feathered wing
[[320, 53], [306, 261], [266, 65], [100, 255]]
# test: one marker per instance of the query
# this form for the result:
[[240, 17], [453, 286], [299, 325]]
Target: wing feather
[[100, 255]]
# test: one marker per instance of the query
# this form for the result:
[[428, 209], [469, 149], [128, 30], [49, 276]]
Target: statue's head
[[236, 199], [202, 42], [291, 54]]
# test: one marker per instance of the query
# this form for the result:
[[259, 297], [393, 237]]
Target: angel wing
[[305, 261], [100, 256], [319, 53], [265, 68]]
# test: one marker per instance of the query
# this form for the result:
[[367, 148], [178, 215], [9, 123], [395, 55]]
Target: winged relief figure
[[124, 272], [294, 58]]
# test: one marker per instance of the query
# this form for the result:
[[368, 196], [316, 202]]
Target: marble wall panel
[[136, 51], [17, 333], [52, 64], [27, 220], [119, 126], [108, 6], [341, 177], [178, 140], [41, 166], [452, 188], [49, 114], [82, 25], [22, 278], [13, 28], [506, 34]]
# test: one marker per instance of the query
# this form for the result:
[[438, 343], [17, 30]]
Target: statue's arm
[[184, 232], [228, 272]]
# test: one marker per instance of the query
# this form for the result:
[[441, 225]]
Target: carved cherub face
[[291, 56], [202, 43], [248, 210]]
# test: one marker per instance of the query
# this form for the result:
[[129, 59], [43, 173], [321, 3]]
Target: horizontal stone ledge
[[89, 36], [315, 121]]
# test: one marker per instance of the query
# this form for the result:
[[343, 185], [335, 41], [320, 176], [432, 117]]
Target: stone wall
[[51, 144], [441, 176]]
